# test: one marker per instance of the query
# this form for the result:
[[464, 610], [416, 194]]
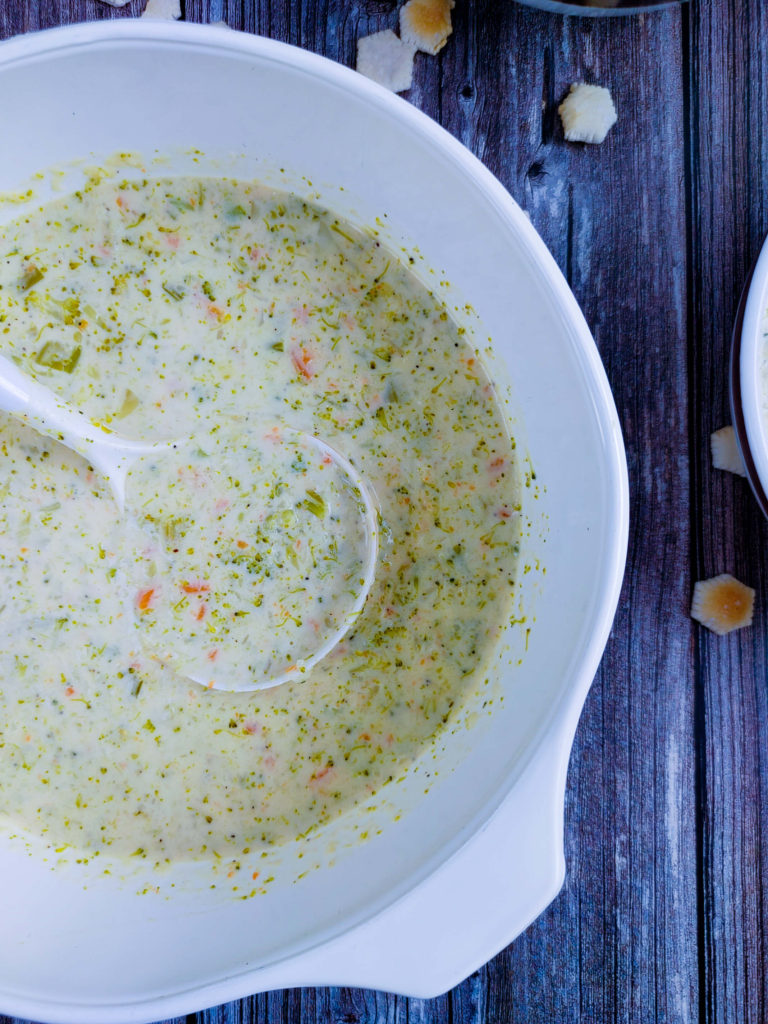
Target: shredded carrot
[[194, 588], [302, 360], [145, 599], [255, 875], [213, 655], [69, 691], [200, 612], [242, 543]]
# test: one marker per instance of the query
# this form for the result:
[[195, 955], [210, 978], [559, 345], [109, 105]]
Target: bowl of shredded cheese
[[211, 236]]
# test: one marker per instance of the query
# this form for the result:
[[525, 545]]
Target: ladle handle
[[38, 405]]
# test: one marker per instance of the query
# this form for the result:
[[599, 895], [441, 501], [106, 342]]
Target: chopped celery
[[130, 402], [30, 276], [91, 313], [55, 356], [180, 204], [66, 310], [175, 291], [314, 503]]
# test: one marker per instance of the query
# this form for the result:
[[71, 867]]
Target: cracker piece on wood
[[725, 451], [587, 113], [163, 9], [386, 59], [723, 604], [426, 24]]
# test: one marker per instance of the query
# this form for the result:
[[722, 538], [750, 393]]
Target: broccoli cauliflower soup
[[184, 308]]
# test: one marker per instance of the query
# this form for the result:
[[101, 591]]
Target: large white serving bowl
[[468, 849]]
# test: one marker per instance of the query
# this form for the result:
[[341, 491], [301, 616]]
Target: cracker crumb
[[587, 113], [166, 9], [725, 451], [426, 24], [385, 59], [722, 604]]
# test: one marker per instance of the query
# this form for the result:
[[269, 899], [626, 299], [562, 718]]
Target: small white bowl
[[597, 8], [748, 378], [468, 864]]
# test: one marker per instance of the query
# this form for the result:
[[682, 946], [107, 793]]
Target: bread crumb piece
[[170, 9], [725, 451], [426, 24], [722, 604], [587, 113], [385, 59]]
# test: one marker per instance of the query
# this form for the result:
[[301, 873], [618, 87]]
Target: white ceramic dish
[[748, 400], [596, 8], [471, 861]]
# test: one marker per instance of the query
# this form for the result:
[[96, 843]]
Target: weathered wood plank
[[729, 218], [621, 939]]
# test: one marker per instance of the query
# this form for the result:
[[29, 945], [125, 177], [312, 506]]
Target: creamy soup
[[215, 310]]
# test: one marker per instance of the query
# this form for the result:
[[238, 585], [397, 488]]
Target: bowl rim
[[562, 722], [588, 8], [746, 399]]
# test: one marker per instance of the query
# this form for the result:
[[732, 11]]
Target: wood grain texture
[[728, 210], [664, 912]]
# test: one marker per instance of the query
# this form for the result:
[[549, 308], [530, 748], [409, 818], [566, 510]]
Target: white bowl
[[596, 8], [749, 379], [473, 860]]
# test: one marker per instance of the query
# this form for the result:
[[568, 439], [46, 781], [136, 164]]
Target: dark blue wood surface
[[663, 914]]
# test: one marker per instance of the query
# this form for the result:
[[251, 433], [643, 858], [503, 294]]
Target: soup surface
[[214, 310]]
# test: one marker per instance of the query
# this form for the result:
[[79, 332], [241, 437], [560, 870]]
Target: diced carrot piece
[[195, 588], [302, 360]]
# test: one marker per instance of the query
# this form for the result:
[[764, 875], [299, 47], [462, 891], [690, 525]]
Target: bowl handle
[[468, 910]]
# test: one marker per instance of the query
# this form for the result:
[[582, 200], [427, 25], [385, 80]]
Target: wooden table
[[664, 913]]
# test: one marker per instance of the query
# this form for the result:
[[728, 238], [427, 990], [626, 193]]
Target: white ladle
[[274, 659]]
